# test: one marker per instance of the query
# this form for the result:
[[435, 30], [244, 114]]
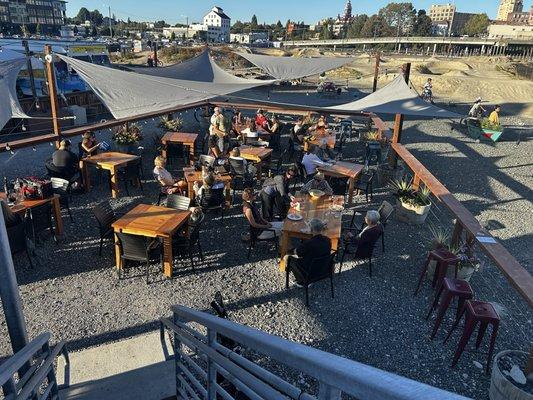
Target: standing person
[[275, 194], [89, 145], [477, 109], [218, 128], [494, 117], [256, 221], [428, 89], [275, 133]]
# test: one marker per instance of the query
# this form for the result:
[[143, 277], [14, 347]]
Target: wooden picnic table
[[110, 161], [187, 139], [21, 208], [257, 155], [192, 176], [312, 208], [152, 221], [343, 169], [319, 138]]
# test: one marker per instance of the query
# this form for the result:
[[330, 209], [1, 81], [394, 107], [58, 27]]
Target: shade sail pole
[[398, 118], [376, 72], [51, 78]]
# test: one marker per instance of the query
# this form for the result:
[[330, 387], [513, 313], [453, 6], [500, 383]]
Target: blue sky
[[269, 11]]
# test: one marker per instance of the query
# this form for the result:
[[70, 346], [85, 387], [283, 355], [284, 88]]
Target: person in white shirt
[[311, 160], [251, 133], [477, 109]]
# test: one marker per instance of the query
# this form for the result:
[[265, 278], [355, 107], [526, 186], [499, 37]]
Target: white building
[[507, 31], [218, 25], [248, 38]]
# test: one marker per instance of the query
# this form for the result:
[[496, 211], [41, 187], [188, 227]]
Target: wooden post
[[51, 78], [376, 72]]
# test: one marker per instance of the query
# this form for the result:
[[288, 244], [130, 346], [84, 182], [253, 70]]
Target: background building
[[506, 31], [447, 21], [442, 12], [508, 6], [248, 38], [45, 16], [218, 25]]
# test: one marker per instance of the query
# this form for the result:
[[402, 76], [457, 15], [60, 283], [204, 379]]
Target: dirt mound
[[307, 53], [455, 73]]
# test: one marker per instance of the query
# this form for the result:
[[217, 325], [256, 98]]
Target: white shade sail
[[287, 68], [396, 98], [9, 104]]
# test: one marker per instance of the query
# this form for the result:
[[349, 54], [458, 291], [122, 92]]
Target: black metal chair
[[178, 202], [240, 178], [276, 165], [362, 251], [131, 173], [38, 220], [339, 186], [302, 173], [185, 245], [320, 268], [55, 172], [207, 161], [62, 188], [254, 238], [16, 232], [339, 143], [385, 211], [212, 200], [365, 183], [139, 249], [105, 216]]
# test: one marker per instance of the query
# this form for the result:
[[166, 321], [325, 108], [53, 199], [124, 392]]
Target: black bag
[[34, 188]]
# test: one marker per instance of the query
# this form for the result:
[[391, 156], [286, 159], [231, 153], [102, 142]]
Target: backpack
[[34, 188]]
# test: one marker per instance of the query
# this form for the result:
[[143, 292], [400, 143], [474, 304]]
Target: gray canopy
[[287, 68], [201, 68], [128, 94], [396, 98], [9, 104]]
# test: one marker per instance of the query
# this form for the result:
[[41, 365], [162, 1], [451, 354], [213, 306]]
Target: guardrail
[[200, 371], [34, 368]]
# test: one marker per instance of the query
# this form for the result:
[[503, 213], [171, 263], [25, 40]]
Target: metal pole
[[110, 25], [51, 78], [376, 72], [155, 54], [30, 69], [398, 119], [9, 293]]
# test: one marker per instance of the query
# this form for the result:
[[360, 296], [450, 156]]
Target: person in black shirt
[[317, 246], [65, 162], [275, 194]]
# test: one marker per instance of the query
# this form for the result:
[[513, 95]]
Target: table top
[[315, 208], [150, 220], [321, 136], [111, 158], [192, 175], [27, 203], [342, 168], [179, 137], [253, 153]]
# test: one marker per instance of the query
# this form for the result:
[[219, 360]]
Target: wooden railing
[[517, 275]]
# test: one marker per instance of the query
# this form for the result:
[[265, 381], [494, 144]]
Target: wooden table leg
[[334, 244], [190, 190], [164, 150], [168, 257], [191, 154], [351, 185], [284, 249], [227, 187], [57, 215], [118, 263], [114, 183], [85, 176]]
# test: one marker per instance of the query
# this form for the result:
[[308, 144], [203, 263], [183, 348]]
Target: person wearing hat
[[318, 183], [317, 246], [65, 162], [477, 109]]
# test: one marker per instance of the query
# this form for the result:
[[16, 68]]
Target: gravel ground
[[75, 294]]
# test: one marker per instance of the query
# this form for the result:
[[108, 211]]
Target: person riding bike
[[428, 90], [477, 110]]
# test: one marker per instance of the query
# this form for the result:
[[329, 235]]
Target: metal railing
[[205, 367], [30, 372]]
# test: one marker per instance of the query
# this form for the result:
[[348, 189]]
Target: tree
[[94, 32], [253, 23], [160, 24], [83, 15], [173, 36], [422, 26], [327, 31], [237, 27], [400, 16], [354, 30], [375, 26], [96, 17], [476, 25], [75, 30]]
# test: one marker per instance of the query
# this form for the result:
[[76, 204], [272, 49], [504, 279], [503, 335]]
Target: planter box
[[411, 214], [464, 273], [502, 388]]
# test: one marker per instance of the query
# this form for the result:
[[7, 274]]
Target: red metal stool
[[444, 259], [484, 313], [449, 289]]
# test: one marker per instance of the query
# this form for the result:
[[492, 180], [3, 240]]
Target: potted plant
[[510, 378], [170, 124], [127, 137], [413, 204], [490, 130]]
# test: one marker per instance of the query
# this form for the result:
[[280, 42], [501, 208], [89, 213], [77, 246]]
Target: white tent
[[9, 105], [128, 94], [287, 68], [396, 98], [201, 68]]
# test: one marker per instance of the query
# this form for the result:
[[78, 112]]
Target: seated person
[[164, 177], [89, 145], [65, 162], [311, 160], [237, 117], [320, 126], [275, 132], [317, 183], [298, 133], [235, 154], [275, 194], [209, 182], [251, 134], [256, 221], [317, 246], [369, 234], [324, 152], [261, 121]]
